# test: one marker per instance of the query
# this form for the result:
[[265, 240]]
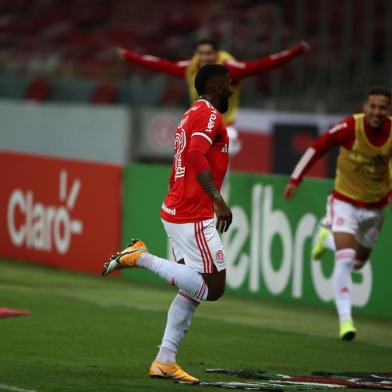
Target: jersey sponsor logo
[[180, 143], [337, 127], [211, 121], [171, 211]]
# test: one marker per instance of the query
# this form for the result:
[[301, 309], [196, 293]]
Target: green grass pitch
[[87, 333]]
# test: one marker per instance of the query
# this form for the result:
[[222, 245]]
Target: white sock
[[179, 319], [179, 275], [342, 282], [330, 243]]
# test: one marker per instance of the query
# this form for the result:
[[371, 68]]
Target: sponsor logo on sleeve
[[211, 121]]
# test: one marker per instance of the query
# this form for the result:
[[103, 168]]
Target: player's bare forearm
[[223, 213], [207, 182]]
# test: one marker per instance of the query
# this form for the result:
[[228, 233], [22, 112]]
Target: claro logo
[[40, 227]]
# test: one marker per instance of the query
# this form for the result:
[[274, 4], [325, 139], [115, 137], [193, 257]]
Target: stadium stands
[[76, 39]]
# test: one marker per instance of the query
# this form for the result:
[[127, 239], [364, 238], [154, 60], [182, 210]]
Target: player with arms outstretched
[[207, 52], [199, 166], [361, 191]]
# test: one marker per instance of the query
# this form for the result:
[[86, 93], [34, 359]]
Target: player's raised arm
[[341, 133], [242, 69], [153, 63]]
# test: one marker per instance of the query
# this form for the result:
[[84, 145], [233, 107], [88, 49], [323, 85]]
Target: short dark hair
[[208, 41], [206, 73], [380, 90]]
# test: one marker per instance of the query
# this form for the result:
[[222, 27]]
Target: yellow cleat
[[319, 247], [347, 330], [126, 258], [170, 371]]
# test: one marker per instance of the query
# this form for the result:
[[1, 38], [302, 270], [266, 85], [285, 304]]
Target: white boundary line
[[14, 389]]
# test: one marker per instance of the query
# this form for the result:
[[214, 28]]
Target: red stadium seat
[[105, 93], [38, 90]]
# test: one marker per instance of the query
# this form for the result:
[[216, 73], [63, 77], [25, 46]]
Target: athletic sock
[[179, 275], [179, 319], [342, 282], [330, 243]]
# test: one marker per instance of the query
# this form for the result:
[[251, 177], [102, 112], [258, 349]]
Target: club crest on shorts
[[220, 255], [340, 221]]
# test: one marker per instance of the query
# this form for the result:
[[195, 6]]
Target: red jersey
[[238, 69], [201, 129]]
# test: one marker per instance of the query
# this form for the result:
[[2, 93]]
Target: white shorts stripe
[[210, 263], [197, 235], [206, 251]]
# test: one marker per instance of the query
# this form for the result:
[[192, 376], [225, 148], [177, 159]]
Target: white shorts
[[198, 243], [364, 223]]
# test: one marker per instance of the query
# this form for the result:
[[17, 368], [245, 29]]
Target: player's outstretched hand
[[306, 46], [290, 191], [223, 214], [120, 52]]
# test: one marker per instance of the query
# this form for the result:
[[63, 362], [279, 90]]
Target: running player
[[361, 191], [207, 52], [199, 166]]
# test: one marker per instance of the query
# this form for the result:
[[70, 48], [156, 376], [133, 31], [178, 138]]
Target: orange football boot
[[170, 371], [126, 258]]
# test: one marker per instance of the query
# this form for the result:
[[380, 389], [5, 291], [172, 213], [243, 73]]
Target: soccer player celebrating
[[207, 52], [361, 191], [199, 166]]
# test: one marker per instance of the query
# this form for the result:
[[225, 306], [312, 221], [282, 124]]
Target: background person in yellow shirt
[[361, 191]]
